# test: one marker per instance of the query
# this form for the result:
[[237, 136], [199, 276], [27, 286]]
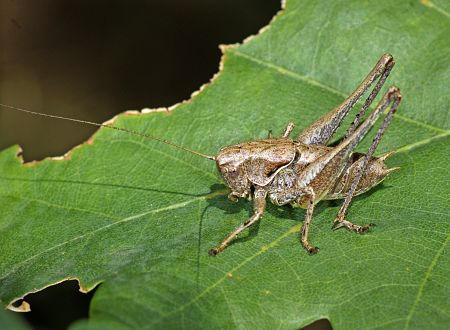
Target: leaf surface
[[139, 217]]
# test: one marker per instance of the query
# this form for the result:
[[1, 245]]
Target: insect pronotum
[[304, 170]]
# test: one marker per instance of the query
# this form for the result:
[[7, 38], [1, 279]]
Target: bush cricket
[[304, 170]]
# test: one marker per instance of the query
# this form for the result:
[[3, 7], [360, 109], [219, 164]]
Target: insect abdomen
[[376, 171]]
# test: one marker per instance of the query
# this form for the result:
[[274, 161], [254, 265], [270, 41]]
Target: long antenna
[[113, 127]]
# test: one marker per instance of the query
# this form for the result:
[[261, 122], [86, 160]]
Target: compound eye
[[233, 172]]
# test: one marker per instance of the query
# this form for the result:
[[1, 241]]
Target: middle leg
[[309, 193], [305, 197], [290, 126]]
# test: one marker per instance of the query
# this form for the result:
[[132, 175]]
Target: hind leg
[[340, 221], [322, 130]]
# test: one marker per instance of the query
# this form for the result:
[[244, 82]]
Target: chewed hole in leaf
[[57, 306], [322, 324]]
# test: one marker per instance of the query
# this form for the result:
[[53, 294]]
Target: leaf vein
[[426, 277], [262, 250], [330, 89], [431, 5], [127, 219], [411, 146]]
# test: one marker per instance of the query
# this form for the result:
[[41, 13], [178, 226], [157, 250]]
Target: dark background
[[93, 59]]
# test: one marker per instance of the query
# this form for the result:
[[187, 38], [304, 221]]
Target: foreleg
[[259, 206]]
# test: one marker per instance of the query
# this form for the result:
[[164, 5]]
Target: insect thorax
[[285, 187]]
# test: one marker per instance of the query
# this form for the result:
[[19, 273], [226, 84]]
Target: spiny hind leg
[[322, 130], [259, 206], [340, 221]]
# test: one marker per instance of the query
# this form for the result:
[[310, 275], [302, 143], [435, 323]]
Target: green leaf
[[139, 217], [10, 321]]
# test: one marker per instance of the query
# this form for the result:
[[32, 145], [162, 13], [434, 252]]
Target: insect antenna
[[147, 136]]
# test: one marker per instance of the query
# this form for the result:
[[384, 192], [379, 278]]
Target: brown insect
[[304, 170]]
